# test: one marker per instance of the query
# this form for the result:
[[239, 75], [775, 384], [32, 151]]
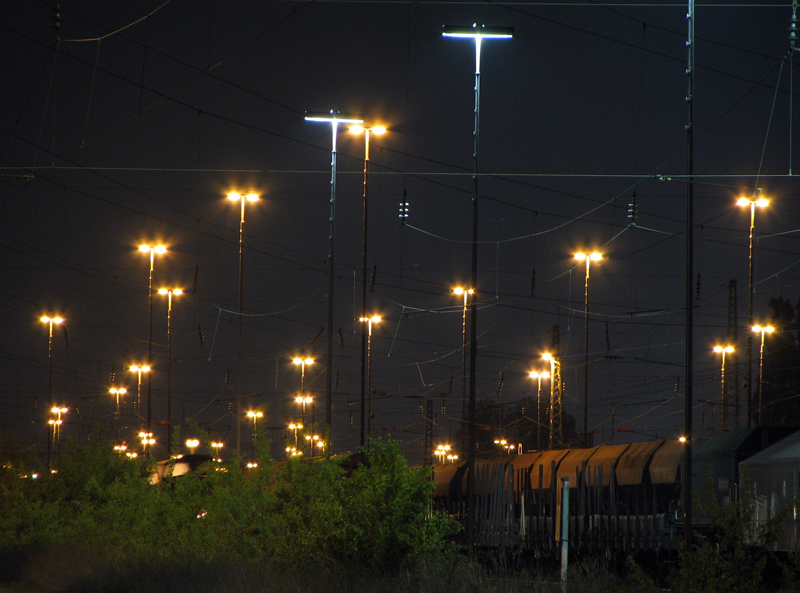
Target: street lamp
[[763, 331], [723, 350], [588, 258], [752, 203], [359, 129], [302, 362], [369, 321], [334, 119], [152, 250], [442, 451], [313, 439], [504, 444], [477, 33], [242, 199], [56, 424], [147, 441], [169, 292], [50, 321], [554, 368], [301, 399], [255, 415], [295, 427], [117, 393], [139, 370], [192, 444], [539, 376], [465, 292]]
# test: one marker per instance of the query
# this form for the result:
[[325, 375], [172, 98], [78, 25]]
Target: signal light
[[632, 210], [623, 429]]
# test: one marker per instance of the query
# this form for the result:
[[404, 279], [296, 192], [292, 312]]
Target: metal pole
[[239, 355], [552, 399], [139, 400], [473, 348], [476, 33], [331, 264], [751, 261], [539, 416], [116, 419], [49, 388], [724, 418], [564, 532], [369, 379], [150, 340], [689, 300], [760, 375], [364, 241], [169, 373], [334, 119], [586, 355], [464, 418]]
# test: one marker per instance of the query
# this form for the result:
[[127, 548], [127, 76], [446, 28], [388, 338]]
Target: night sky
[[133, 121]]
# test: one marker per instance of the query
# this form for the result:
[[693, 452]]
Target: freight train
[[624, 498]]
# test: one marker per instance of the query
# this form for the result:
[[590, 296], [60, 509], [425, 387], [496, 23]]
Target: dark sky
[[133, 129]]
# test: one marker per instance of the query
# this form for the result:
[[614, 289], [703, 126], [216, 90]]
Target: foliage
[[732, 555], [296, 515], [375, 519]]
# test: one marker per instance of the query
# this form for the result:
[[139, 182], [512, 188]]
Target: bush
[[725, 558], [377, 519], [298, 515]]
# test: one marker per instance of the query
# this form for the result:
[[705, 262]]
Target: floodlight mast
[[478, 33], [334, 118]]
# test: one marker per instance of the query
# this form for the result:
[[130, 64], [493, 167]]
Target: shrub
[[299, 515]]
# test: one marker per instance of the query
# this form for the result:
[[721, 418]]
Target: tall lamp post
[[588, 258], [117, 392], [465, 292], [242, 199], [369, 321], [255, 415], [441, 452], [152, 250], [554, 363], [763, 330], [56, 424], [752, 203], [477, 33], [139, 369], [295, 426], [539, 376], [169, 292], [359, 129], [147, 441], [334, 119], [192, 444], [301, 399], [723, 350], [50, 321]]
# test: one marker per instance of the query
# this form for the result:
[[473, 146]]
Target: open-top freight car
[[623, 498]]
